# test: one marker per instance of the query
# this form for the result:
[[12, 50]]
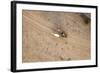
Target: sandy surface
[[55, 36]]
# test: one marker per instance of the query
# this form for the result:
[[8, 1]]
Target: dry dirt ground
[[55, 36]]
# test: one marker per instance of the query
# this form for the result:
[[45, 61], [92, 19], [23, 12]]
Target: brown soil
[[41, 44]]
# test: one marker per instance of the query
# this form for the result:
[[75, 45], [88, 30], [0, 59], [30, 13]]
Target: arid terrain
[[55, 36]]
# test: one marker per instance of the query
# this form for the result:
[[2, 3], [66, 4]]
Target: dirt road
[[55, 36]]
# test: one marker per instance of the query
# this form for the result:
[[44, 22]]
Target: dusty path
[[54, 36]]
